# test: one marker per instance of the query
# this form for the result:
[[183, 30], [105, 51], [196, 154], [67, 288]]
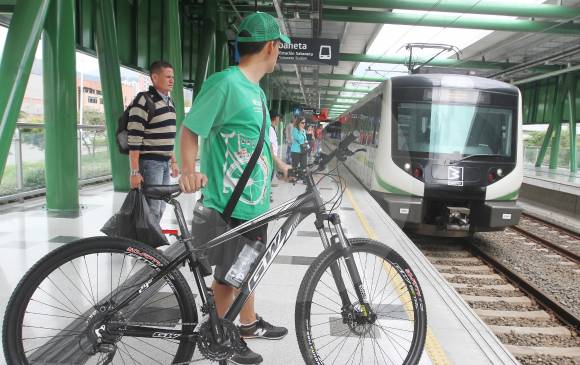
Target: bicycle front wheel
[[62, 309], [389, 328]]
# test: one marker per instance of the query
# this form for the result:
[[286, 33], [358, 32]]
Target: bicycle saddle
[[160, 192]]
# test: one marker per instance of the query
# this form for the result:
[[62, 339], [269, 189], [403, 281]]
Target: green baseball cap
[[262, 28]]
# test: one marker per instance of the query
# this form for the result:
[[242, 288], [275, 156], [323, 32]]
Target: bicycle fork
[[340, 242]]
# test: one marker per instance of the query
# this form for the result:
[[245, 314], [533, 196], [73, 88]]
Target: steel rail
[[548, 223], [543, 299], [552, 246]]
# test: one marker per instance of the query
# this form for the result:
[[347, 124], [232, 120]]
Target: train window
[[366, 120], [453, 129]]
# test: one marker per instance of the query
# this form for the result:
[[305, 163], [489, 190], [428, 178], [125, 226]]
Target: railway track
[[551, 236], [532, 325]]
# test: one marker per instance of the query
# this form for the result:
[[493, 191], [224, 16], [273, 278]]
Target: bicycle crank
[[210, 349]]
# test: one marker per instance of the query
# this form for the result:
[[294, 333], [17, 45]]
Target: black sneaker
[[262, 329], [246, 356]]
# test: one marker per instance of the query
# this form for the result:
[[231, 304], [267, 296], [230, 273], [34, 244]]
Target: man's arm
[[135, 177], [190, 180], [136, 131]]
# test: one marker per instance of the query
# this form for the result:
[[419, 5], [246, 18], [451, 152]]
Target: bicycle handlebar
[[340, 152]]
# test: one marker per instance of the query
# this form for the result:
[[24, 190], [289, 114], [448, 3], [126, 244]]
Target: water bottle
[[241, 267]]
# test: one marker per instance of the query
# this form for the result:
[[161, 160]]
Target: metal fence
[[24, 172]]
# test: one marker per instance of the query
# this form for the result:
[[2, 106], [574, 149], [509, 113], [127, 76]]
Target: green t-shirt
[[228, 114]]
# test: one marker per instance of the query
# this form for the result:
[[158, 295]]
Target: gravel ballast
[[562, 282]]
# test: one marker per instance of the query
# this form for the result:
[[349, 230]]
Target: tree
[[88, 137]]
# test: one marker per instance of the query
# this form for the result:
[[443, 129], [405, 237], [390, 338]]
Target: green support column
[[555, 150], [60, 107], [16, 62], [221, 54], [173, 43], [206, 58], [556, 122], [106, 45], [572, 109]]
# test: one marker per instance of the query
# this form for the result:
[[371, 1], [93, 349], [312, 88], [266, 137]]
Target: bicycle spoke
[[142, 353], [128, 353], [89, 277], [147, 343], [54, 315], [70, 281], [60, 309], [59, 302]]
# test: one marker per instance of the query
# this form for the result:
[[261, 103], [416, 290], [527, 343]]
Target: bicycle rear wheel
[[64, 299], [394, 330]]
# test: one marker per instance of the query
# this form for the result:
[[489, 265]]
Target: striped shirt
[[154, 139]]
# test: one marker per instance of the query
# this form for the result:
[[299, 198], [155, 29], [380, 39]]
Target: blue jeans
[[155, 173]]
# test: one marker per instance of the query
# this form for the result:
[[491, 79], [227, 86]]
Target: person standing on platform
[[299, 148], [228, 114], [318, 140], [151, 134], [288, 137], [274, 120], [310, 140]]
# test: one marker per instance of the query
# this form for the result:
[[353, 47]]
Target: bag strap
[[238, 190], [149, 104]]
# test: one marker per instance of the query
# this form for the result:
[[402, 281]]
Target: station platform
[[456, 334], [553, 195]]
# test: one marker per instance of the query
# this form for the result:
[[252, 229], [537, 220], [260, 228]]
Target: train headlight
[[494, 175], [407, 167]]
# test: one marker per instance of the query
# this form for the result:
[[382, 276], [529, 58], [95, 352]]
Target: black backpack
[[122, 133]]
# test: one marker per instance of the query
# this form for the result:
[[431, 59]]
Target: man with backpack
[[230, 113], [151, 134]]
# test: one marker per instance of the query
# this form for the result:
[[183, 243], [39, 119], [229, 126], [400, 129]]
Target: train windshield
[[458, 129]]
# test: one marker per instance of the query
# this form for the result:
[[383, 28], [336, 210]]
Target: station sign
[[309, 51]]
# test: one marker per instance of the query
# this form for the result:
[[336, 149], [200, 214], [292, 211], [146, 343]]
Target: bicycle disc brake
[[214, 351]]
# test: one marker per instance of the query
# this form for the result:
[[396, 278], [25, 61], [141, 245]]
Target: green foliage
[[33, 136], [33, 176], [535, 139], [94, 165], [91, 117], [33, 173]]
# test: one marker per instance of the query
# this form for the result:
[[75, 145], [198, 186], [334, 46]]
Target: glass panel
[[33, 148], [94, 153], [453, 129], [366, 120], [9, 183]]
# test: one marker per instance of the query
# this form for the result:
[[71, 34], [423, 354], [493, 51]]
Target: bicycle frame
[[297, 210]]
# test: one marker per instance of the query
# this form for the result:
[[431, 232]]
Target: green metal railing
[[25, 169]]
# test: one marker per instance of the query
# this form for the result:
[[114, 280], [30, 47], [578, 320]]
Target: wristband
[[135, 173]]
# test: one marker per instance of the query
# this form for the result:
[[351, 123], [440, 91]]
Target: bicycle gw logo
[[455, 175]]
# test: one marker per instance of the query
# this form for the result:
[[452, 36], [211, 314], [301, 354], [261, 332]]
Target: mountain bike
[[105, 300]]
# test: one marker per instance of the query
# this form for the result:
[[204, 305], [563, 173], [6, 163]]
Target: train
[[443, 153]]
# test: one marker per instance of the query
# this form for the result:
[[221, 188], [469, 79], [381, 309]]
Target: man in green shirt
[[228, 114]]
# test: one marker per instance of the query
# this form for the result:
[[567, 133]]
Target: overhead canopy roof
[[499, 39]]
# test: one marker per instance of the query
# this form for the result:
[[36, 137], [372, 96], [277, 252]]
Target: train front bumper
[[496, 215]]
